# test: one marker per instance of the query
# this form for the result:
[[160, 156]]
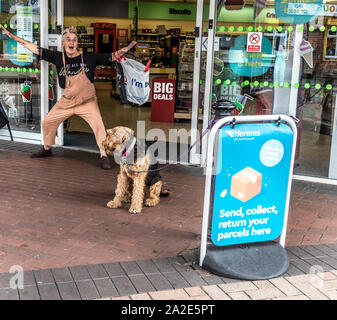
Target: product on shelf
[[87, 42], [185, 80]]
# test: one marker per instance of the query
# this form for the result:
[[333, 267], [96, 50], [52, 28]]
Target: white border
[[315, 179], [333, 150], [295, 70], [44, 64], [208, 79], [195, 156], [209, 169], [60, 20], [23, 135]]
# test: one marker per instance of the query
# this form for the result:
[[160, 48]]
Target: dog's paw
[[135, 210], [113, 204], [151, 202], [126, 200]]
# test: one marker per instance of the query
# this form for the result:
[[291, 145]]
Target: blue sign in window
[[250, 64], [298, 11]]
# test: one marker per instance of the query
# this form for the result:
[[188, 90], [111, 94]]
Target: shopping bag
[[136, 80], [121, 83]]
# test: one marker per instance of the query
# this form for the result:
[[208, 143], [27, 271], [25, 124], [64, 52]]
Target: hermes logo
[[241, 134]]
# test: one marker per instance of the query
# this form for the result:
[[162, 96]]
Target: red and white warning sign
[[254, 41]]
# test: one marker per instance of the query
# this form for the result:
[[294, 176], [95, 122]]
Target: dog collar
[[128, 151]]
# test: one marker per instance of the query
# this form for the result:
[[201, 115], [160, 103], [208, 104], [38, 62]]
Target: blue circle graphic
[[250, 64]]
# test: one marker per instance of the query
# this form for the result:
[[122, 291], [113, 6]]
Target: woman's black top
[[73, 65]]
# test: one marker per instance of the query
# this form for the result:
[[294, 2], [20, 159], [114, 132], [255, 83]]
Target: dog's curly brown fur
[[131, 186]]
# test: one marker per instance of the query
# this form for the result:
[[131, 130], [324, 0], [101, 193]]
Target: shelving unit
[[105, 36], [87, 42], [179, 47], [152, 39], [185, 81]]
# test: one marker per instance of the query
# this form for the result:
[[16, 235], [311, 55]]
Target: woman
[[76, 76], [159, 59]]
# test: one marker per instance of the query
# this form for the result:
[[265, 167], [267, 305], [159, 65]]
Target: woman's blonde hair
[[69, 30]]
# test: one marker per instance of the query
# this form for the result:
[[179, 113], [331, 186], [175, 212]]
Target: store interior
[[170, 46], [169, 42]]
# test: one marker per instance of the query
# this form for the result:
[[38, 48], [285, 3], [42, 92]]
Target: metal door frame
[[195, 156], [44, 64]]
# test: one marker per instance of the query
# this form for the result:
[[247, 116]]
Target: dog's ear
[[128, 134], [109, 132], [118, 133]]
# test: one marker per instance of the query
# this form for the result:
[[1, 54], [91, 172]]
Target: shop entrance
[[292, 72], [171, 45]]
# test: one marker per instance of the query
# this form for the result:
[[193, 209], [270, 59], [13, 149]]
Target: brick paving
[[310, 276], [54, 214], [55, 225]]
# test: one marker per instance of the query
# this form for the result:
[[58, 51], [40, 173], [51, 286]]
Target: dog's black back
[[152, 177], [139, 151]]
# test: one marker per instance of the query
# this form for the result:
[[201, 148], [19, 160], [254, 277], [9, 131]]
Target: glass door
[[55, 27], [51, 38], [20, 70], [199, 75]]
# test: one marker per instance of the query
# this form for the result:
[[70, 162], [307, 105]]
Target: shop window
[[276, 39], [330, 45], [20, 70]]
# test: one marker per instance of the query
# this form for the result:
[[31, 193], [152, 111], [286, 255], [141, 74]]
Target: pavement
[[55, 226]]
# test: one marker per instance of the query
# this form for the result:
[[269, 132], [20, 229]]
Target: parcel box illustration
[[246, 184]]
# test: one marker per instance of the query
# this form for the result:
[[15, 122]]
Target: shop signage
[[271, 15], [165, 10], [250, 64], [54, 40], [254, 41], [13, 53], [251, 184], [25, 31], [298, 11], [161, 10], [163, 100], [329, 10], [246, 14], [234, 4], [180, 11], [247, 192], [216, 43]]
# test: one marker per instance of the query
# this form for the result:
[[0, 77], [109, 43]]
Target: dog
[[139, 181]]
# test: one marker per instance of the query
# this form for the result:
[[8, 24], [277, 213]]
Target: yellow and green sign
[[187, 11], [164, 10]]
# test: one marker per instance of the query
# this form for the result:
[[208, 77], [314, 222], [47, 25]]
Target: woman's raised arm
[[123, 51], [28, 45]]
